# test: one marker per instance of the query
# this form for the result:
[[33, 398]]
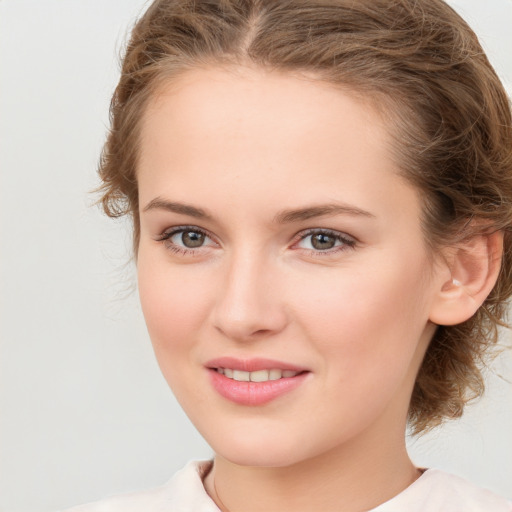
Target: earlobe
[[474, 266]]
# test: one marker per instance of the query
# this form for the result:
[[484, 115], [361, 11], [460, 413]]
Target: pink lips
[[253, 393]]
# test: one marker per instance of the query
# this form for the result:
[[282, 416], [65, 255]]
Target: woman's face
[[279, 246]]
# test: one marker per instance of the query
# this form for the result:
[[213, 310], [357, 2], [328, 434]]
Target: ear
[[470, 272]]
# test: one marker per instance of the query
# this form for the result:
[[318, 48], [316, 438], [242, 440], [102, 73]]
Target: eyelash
[[347, 242], [166, 236]]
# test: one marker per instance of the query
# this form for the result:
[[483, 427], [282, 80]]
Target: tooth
[[275, 374], [259, 376], [289, 373], [241, 375], [228, 373], [220, 370]]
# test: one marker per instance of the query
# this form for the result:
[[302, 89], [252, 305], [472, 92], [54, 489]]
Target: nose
[[249, 304]]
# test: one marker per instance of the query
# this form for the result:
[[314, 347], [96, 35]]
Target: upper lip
[[252, 365]]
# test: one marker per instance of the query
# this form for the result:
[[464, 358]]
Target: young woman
[[321, 195]]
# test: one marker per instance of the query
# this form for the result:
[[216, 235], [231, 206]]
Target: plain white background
[[84, 410]]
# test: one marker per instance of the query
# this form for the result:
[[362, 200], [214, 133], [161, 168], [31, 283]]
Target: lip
[[253, 393], [252, 365]]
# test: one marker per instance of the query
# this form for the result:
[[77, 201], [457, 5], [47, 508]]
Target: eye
[[321, 240], [190, 239], [186, 239]]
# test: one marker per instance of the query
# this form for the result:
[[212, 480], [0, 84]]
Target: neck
[[349, 478]]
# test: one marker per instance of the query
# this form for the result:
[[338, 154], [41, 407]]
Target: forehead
[[252, 131], [255, 109], [211, 94]]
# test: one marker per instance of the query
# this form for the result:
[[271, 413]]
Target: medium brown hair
[[420, 63]]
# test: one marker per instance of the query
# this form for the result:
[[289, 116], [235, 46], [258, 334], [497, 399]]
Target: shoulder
[[438, 491], [183, 492]]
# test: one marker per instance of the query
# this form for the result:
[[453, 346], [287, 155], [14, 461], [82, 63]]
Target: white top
[[433, 491]]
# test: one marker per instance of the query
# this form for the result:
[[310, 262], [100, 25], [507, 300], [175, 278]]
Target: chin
[[258, 451], [255, 458]]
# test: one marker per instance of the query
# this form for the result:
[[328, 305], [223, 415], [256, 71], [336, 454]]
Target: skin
[[242, 146]]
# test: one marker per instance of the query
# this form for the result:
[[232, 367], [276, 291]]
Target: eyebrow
[[185, 209], [321, 210], [284, 217]]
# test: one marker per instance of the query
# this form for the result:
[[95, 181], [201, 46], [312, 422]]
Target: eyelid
[[168, 233], [347, 241], [328, 231]]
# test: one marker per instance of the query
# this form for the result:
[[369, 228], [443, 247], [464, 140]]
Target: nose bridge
[[248, 304]]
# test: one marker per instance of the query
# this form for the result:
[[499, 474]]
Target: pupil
[[192, 239], [322, 241]]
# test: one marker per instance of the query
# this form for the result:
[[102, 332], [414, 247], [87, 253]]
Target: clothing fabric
[[433, 491]]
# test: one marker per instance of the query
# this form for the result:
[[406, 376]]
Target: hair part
[[420, 64]]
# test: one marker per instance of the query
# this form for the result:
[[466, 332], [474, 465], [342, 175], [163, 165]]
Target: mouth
[[254, 382], [258, 375]]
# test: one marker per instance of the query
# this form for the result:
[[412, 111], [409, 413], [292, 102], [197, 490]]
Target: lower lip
[[254, 393]]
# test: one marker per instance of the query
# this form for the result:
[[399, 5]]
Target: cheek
[[367, 321], [367, 329], [174, 302]]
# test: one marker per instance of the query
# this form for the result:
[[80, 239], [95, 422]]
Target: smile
[[255, 382], [256, 376]]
